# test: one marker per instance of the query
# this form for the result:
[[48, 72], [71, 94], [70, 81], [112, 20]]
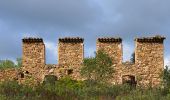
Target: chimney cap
[[71, 39], [31, 40], [109, 39], [156, 38]]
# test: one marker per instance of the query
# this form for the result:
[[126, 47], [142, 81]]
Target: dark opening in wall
[[27, 72], [70, 71], [22, 75], [129, 79]]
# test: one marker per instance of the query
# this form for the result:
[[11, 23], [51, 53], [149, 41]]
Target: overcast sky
[[51, 19]]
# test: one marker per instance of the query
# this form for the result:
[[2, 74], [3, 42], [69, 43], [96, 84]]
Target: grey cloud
[[56, 14], [85, 18], [145, 16]]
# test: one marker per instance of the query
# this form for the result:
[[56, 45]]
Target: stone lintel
[[109, 39], [71, 39], [32, 40], [156, 38]]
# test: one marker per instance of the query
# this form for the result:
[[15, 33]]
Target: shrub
[[10, 88], [68, 89], [4, 64], [98, 68], [51, 79]]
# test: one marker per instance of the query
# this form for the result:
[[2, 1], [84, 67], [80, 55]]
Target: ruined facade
[[149, 60], [145, 71]]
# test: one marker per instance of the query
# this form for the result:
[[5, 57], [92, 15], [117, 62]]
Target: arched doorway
[[129, 79]]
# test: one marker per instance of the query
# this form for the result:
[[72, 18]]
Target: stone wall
[[70, 56], [150, 59], [112, 47], [33, 59], [9, 74], [146, 71]]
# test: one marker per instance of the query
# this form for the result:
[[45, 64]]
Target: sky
[[89, 19]]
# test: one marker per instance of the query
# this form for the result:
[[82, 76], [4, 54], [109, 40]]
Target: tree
[[98, 68], [6, 64], [19, 62], [166, 76]]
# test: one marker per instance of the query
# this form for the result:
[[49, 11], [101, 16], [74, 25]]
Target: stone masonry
[[149, 60], [33, 59], [70, 56], [145, 71], [112, 47]]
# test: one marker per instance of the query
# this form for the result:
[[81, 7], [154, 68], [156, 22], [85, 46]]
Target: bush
[[10, 88], [98, 68], [139, 94], [68, 89], [5, 64], [51, 79]]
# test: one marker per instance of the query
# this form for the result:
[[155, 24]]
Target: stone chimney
[[149, 57], [112, 47], [33, 58], [70, 51]]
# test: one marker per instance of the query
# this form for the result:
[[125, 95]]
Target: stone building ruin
[[149, 60], [146, 71]]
